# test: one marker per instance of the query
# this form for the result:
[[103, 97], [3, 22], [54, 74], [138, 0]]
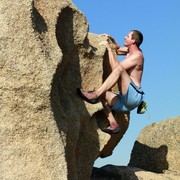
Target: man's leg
[[118, 75], [114, 127]]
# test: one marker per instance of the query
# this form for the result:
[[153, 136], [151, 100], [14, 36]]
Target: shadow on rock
[[123, 121], [111, 172], [148, 158]]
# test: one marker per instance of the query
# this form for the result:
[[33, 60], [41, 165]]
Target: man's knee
[[120, 69]]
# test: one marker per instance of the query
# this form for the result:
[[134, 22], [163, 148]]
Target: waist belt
[[134, 86]]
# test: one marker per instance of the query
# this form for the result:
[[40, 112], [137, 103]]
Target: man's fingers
[[106, 35]]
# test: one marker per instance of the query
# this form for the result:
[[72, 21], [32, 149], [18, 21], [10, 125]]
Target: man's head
[[134, 37], [137, 36]]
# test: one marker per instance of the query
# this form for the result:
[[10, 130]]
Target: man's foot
[[90, 96], [142, 107], [111, 130]]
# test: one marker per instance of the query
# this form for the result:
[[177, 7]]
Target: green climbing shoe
[[142, 107]]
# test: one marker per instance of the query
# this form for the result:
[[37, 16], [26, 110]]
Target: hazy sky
[[159, 21]]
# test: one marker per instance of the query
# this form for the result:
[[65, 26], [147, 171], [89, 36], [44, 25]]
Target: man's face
[[128, 39]]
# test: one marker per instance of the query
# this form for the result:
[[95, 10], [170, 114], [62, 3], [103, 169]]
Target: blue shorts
[[130, 100]]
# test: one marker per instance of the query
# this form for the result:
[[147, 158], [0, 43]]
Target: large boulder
[[157, 148], [155, 155], [46, 130]]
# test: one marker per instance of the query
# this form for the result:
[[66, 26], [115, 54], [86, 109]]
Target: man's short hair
[[137, 36]]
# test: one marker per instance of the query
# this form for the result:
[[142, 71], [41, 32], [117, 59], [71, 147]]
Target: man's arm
[[119, 50], [122, 51]]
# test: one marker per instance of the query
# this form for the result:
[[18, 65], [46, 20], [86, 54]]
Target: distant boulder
[[158, 147], [155, 155]]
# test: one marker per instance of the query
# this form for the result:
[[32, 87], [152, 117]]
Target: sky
[[159, 21]]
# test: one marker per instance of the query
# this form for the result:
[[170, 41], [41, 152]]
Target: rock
[[155, 155], [157, 148], [46, 130], [111, 172], [123, 121]]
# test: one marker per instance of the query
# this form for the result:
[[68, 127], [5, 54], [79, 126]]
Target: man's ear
[[134, 41]]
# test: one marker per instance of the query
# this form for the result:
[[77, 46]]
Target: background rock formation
[[155, 155], [46, 131], [109, 172], [157, 148]]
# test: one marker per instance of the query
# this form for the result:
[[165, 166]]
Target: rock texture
[[46, 131], [158, 147], [111, 172], [155, 155]]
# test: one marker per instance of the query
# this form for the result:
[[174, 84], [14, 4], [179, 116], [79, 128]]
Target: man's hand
[[110, 39], [107, 36], [105, 43]]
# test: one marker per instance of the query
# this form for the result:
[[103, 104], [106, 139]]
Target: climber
[[127, 74]]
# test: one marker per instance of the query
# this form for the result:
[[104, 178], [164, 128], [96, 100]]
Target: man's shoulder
[[139, 55], [136, 55]]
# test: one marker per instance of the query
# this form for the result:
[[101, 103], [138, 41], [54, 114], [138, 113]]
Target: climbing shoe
[[142, 108]]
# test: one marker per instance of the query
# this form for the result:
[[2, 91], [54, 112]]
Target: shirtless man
[[127, 74]]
